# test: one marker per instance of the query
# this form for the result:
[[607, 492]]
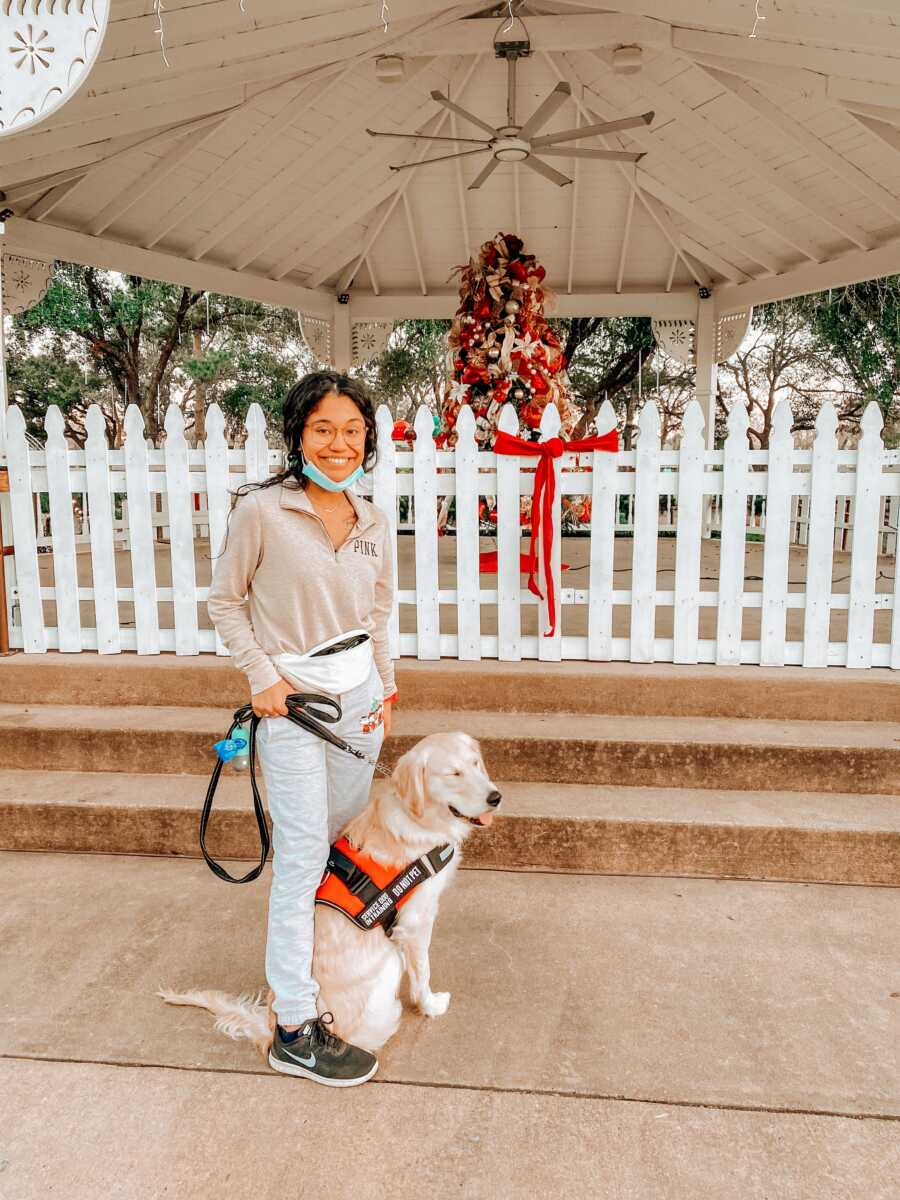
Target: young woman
[[307, 566]]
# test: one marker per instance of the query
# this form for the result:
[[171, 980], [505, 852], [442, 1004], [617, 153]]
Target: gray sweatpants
[[313, 790]]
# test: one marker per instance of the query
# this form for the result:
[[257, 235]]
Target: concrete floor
[[616, 1037], [574, 551]]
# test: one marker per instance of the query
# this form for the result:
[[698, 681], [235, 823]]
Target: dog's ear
[[409, 778]]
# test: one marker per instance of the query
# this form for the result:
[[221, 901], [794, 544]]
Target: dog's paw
[[435, 1004]]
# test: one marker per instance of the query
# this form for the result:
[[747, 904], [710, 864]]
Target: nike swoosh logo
[[304, 1062]]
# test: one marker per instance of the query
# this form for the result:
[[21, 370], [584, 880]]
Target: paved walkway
[[613, 1037]]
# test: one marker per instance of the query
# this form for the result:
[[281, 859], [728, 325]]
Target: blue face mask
[[330, 485]]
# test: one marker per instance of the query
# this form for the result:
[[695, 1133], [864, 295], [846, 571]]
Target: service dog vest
[[369, 893]]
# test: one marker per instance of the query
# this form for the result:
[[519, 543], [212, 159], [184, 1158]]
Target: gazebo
[[226, 145], [223, 145]]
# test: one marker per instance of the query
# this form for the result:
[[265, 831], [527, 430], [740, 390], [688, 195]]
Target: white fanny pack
[[333, 666]]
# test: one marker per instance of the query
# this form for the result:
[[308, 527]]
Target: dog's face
[[442, 781]]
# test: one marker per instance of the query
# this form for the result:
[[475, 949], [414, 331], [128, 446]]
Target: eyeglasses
[[354, 435]]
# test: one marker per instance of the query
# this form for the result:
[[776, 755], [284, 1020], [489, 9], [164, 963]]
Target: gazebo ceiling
[[772, 166]]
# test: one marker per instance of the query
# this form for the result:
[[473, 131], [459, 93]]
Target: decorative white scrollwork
[[730, 332], [318, 333], [49, 47], [676, 335], [369, 339], [25, 281]]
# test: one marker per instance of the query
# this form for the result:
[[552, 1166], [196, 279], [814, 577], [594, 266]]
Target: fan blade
[[461, 112], [429, 137], [547, 172], [571, 135], [443, 158], [608, 155], [545, 111], [487, 170]]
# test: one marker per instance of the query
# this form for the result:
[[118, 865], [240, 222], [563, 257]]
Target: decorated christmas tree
[[502, 347]]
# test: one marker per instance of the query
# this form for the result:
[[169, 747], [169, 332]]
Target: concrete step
[[775, 997], [729, 754], [616, 689], [829, 838]]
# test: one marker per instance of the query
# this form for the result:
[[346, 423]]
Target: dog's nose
[[494, 799]]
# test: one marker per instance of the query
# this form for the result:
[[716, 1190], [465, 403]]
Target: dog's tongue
[[486, 819]]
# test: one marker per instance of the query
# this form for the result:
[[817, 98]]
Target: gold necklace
[[326, 507]]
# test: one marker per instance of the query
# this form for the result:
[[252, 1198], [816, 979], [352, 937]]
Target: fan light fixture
[[517, 143]]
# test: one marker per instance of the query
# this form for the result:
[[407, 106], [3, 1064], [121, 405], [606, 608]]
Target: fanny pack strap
[[301, 712]]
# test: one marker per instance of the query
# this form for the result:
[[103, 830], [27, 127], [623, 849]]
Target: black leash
[[305, 710]]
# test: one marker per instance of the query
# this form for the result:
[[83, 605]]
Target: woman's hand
[[270, 703], [388, 708]]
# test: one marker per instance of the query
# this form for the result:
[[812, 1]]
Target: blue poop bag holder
[[306, 709]]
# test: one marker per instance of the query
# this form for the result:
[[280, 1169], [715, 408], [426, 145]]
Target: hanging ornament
[[494, 352], [512, 306]]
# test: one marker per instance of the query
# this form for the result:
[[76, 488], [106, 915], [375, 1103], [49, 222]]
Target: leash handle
[[306, 709]]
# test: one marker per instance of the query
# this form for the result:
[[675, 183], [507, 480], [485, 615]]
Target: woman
[[307, 566]]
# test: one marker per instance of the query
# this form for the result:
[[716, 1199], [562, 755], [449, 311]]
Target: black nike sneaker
[[321, 1056]]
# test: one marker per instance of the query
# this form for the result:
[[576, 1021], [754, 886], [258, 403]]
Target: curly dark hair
[[299, 405]]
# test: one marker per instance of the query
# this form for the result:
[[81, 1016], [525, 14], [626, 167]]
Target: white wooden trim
[[468, 576], [384, 486], [854, 267], [733, 545], [28, 579], [181, 533], [103, 558], [864, 555], [603, 543], [550, 647], [428, 616], [62, 523], [509, 540], [42, 239], [776, 551], [680, 302], [691, 504], [823, 486], [140, 533], [646, 533]]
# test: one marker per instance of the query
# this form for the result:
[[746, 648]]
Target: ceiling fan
[[517, 143]]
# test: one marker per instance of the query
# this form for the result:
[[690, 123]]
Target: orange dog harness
[[369, 893]]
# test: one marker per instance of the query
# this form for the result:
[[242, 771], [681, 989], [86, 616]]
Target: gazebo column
[[343, 336], [7, 568], [705, 366]]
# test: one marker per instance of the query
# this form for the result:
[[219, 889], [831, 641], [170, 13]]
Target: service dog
[[438, 793]]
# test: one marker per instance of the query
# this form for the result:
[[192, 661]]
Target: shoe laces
[[320, 1034]]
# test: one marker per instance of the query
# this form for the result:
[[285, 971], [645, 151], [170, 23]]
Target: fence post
[[103, 556], [428, 614], [691, 507], [864, 555], [733, 545], [646, 536], [468, 577], [550, 648], [601, 582], [509, 541], [776, 547], [384, 496], [822, 487], [141, 540], [62, 528]]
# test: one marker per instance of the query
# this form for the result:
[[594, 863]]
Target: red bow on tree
[[544, 495]]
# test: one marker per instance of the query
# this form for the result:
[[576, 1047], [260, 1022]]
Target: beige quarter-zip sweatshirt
[[280, 587]]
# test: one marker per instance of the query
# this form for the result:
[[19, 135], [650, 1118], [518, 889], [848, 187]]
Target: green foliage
[[411, 371], [859, 326]]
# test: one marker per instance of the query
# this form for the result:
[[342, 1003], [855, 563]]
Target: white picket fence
[[135, 494]]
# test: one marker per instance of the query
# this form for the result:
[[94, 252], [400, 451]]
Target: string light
[[507, 28], [160, 30], [385, 14], [758, 17]]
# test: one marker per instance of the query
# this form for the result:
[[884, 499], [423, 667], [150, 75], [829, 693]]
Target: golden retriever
[[438, 792]]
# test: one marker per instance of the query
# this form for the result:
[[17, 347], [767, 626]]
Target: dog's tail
[[244, 1016]]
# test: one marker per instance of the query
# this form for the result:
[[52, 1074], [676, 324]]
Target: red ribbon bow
[[544, 495]]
